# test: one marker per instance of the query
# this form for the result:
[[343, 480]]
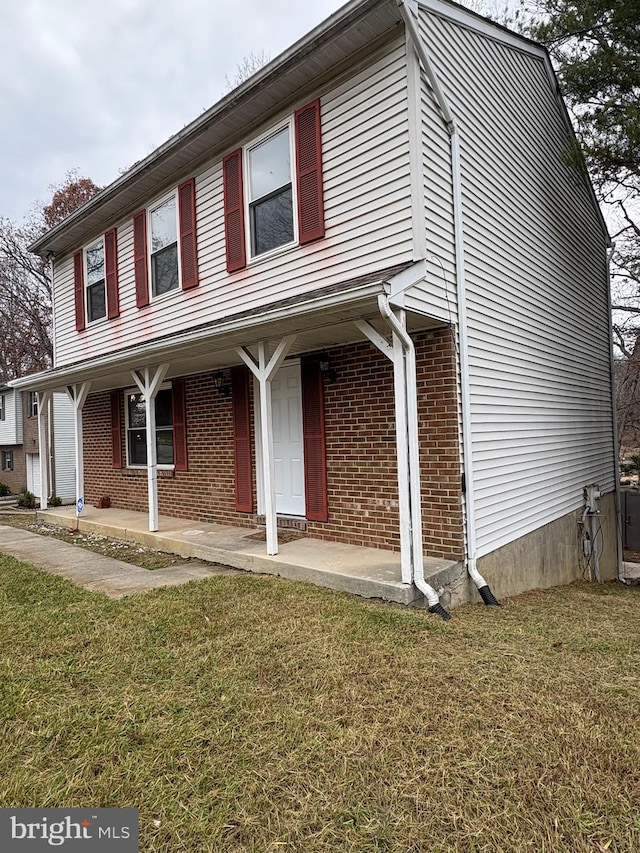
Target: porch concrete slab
[[368, 572], [90, 570]]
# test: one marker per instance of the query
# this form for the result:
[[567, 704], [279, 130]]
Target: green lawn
[[254, 714]]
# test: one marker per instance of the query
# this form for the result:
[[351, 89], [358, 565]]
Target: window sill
[[273, 253], [163, 296], [169, 468], [101, 321]]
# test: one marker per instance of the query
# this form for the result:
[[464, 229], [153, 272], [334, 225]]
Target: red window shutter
[[111, 273], [140, 258], [234, 211], [116, 429], [315, 455], [78, 289], [242, 439], [188, 246], [180, 457], [309, 173]]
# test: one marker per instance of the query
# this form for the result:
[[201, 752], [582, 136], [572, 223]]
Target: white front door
[[286, 402]]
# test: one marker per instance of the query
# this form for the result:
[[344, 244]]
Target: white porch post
[[78, 396], [149, 382], [43, 447], [396, 354], [264, 371]]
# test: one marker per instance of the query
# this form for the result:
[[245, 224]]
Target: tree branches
[[25, 287]]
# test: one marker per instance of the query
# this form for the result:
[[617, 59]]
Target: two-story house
[[12, 457], [366, 291], [20, 443]]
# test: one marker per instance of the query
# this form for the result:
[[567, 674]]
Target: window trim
[[154, 205], [7, 460], [166, 386], [85, 249], [32, 404], [3, 407], [247, 201]]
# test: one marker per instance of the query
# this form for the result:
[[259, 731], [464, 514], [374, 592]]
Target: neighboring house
[[19, 443], [12, 458], [366, 292]]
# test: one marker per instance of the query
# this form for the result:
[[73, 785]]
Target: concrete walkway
[[368, 572], [93, 571]]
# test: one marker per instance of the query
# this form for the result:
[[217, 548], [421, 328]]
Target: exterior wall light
[[328, 373], [222, 383]]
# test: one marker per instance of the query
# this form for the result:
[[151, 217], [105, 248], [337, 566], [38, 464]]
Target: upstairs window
[[274, 186], [164, 247], [3, 408], [95, 281], [96, 289], [137, 428], [270, 193]]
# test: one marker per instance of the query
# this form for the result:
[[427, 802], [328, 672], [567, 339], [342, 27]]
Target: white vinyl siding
[[367, 185], [536, 286], [11, 426], [64, 446], [437, 295]]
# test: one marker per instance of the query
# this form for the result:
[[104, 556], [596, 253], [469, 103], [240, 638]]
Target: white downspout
[[614, 425], [411, 407], [50, 453], [456, 177]]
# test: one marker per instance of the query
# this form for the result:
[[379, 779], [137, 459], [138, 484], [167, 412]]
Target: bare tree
[[246, 68], [25, 289], [25, 304]]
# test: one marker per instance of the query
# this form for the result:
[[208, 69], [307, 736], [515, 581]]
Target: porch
[[368, 572]]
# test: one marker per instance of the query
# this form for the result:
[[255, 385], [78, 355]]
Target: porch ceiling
[[321, 321]]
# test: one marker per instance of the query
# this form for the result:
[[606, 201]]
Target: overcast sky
[[98, 84]]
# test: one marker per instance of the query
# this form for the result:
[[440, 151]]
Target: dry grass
[[251, 714]]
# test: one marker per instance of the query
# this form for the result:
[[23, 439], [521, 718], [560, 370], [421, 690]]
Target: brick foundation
[[361, 453]]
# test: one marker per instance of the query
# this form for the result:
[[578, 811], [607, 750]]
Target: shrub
[[27, 500], [4, 490], [55, 501]]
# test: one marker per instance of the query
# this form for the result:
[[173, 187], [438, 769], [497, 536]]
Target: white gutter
[[456, 175], [410, 404]]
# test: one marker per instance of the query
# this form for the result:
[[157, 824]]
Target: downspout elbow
[[481, 585]]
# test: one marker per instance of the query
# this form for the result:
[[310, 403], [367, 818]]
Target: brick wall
[[16, 479], [205, 492], [361, 448], [361, 453], [29, 429]]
